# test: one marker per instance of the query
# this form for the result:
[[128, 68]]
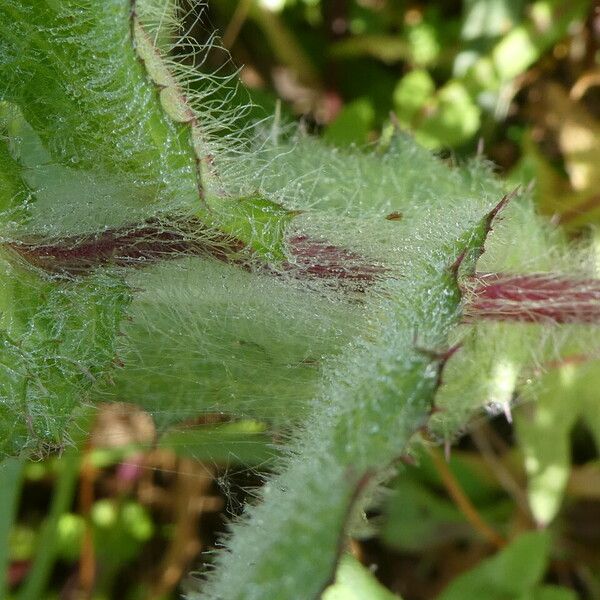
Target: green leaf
[[242, 343], [490, 18], [72, 70], [58, 341], [70, 531], [119, 530], [524, 44], [454, 119], [352, 125], [417, 518], [13, 192], [477, 483], [342, 339], [354, 582], [386, 48], [258, 222], [564, 396], [361, 420], [412, 93], [515, 53], [553, 592], [424, 46], [242, 442], [510, 574]]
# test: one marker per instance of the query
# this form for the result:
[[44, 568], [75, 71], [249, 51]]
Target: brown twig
[[502, 474], [87, 556], [236, 23], [461, 500]]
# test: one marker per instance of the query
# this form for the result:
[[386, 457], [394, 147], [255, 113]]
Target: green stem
[[37, 579], [11, 474], [378, 397]]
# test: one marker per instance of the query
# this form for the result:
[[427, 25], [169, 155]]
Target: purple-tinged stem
[[533, 298]]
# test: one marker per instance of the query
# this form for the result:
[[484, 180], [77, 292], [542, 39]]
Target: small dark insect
[[395, 216]]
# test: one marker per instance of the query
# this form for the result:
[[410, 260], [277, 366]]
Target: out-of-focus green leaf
[[423, 44], [490, 18], [355, 582], [533, 166], [524, 44], [454, 119], [553, 592], [11, 472], [474, 479], [416, 518], [119, 530], [510, 574], [22, 542], [564, 396], [412, 93], [69, 536], [515, 53], [387, 48], [352, 125], [572, 199]]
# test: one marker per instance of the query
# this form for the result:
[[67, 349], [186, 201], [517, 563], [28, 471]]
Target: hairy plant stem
[[531, 298], [360, 426], [98, 89]]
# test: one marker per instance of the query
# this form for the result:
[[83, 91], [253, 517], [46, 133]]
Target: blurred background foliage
[[515, 511], [517, 80]]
